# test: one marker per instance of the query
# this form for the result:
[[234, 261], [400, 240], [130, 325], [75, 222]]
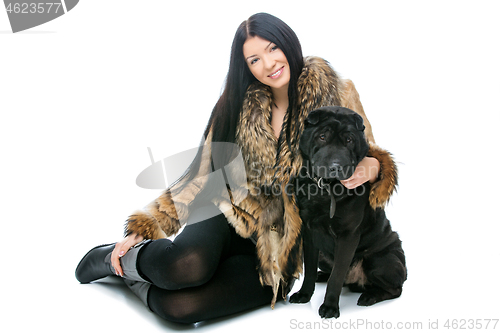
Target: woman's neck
[[280, 105], [280, 98]]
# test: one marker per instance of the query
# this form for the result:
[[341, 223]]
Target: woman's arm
[[350, 99], [378, 167], [165, 215], [121, 248], [159, 219], [366, 171]]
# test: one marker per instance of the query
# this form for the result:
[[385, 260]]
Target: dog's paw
[[367, 299], [326, 311], [299, 297]]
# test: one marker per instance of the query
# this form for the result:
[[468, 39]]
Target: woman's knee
[[174, 306], [191, 270], [181, 315], [171, 266], [191, 259]]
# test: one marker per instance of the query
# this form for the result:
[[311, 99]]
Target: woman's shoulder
[[314, 63], [317, 66], [319, 75]]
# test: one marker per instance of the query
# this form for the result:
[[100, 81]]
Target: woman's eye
[[274, 48], [253, 61]]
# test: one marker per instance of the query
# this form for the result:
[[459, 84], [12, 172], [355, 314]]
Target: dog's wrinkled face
[[334, 142]]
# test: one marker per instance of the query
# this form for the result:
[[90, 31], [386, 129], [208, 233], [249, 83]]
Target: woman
[[208, 270]]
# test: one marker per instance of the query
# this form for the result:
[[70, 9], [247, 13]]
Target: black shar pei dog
[[352, 242]]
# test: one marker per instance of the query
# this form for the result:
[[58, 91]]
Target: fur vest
[[263, 207]]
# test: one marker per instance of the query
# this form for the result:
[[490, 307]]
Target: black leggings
[[208, 271]]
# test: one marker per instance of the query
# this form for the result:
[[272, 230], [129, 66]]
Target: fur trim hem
[[157, 220]]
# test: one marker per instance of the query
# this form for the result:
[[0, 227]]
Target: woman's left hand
[[367, 170]]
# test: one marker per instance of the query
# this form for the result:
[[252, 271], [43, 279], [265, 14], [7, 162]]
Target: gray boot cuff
[[140, 289], [129, 262]]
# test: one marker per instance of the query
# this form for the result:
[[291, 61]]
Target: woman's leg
[[208, 271], [235, 287], [191, 259]]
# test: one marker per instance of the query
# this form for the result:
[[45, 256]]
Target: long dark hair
[[225, 115]]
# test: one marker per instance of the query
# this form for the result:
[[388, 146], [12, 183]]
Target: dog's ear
[[359, 122], [313, 117], [318, 115]]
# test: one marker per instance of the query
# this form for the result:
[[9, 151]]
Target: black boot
[[96, 264]]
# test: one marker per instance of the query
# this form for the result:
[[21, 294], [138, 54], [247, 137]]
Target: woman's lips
[[276, 74]]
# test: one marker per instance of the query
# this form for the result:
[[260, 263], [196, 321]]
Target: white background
[[83, 96]]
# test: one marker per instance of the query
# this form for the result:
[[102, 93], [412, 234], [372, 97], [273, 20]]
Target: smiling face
[[267, 62]]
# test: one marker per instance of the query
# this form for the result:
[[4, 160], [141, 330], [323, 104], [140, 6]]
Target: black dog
[[356, 241]]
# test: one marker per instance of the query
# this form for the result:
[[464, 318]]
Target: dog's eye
[[348, 140], [322, 137]]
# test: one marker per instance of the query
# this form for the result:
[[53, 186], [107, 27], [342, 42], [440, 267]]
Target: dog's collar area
[[321, 184]]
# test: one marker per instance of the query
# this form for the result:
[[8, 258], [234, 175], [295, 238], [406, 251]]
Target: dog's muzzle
[[333, 171]]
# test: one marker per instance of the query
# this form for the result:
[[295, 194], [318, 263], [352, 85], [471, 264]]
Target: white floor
[[83, 96], [439, 287]]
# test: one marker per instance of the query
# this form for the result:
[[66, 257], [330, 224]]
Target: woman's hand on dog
[[367, 170], [121, 248]]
